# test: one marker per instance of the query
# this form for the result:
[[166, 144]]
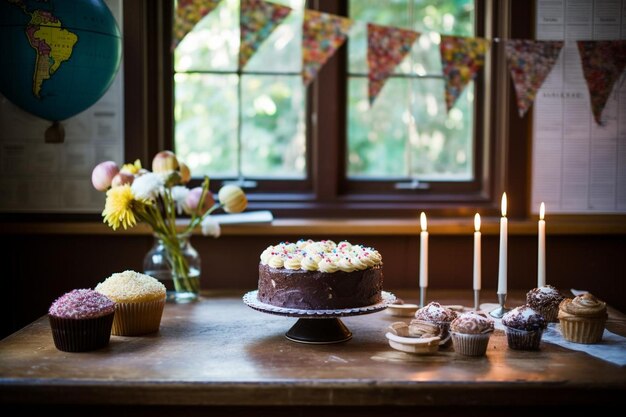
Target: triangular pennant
[[461, 59], [603, 63], [258, 19], [188, 14], [386, 48], [530, 62], [322, 35]]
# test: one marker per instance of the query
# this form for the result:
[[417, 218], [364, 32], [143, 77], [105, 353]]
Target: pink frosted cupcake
[[441, 316], [81, 320], [470, 333], [139, 299], [524, 328], [545, 301]]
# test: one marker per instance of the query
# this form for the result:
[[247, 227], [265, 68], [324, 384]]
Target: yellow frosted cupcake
[[139, 302], [582, 319]]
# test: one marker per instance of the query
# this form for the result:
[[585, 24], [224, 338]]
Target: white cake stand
[[318, 326]]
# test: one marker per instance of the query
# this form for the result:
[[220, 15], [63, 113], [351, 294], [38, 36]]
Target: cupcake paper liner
[[81, 335], [583, 330], [548, 313], [470, 344], [134, 319], [523, 339], [445, 333]]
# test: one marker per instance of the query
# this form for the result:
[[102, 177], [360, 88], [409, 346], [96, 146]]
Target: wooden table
[[220, 353]]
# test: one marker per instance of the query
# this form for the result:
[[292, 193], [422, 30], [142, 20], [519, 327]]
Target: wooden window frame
[[502, 155]]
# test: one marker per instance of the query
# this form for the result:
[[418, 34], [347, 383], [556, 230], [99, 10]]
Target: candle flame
[[503, 205], [423, 221], [542, 211], [477, 222]]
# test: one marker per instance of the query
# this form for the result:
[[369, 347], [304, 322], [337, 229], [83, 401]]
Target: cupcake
[[545, 301], [139, 302], [437, 314], [81, 320], [470, 333], [524, 327], [582, 319]]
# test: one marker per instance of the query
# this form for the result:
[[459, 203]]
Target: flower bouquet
[[134, 194]]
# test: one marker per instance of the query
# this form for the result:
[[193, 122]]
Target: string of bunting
[[529, 61]]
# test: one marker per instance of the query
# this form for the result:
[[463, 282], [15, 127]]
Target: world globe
[[58, 57]]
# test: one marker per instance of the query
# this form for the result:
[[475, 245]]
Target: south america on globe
[[58, 56]]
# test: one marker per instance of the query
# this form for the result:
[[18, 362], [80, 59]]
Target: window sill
[[325, 227]]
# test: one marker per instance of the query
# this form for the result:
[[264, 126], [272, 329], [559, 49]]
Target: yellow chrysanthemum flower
[[118, 209], [132, 168]]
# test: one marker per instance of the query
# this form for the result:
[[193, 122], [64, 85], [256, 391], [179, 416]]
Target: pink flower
[[103, 174], [192, 201]]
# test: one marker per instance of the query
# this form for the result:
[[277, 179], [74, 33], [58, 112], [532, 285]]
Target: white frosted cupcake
[[470, 333], [139, 302]]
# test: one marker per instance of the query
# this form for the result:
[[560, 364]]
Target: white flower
[[147, 187], [210, 227], [179, 194]]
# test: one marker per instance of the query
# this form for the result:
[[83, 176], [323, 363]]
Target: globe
[[58, 57]]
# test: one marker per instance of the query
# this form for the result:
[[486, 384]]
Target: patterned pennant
[[603, 63], [322, 35], [188, 14], [386, 48], [461, 59], [530, 62], [258, 19]]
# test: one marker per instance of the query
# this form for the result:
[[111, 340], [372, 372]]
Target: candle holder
[[502, 310], [422, 296], [476, 299]]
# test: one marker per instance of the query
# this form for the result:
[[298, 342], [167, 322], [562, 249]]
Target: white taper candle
[[502, 269], [541, 256], [477, 253], [423, 252]]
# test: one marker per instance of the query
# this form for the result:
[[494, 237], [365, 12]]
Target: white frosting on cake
[[325, 256]]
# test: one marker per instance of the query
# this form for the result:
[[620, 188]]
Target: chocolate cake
[[320, 275]]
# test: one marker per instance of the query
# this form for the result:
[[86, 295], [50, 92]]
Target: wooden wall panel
[[43, 267]]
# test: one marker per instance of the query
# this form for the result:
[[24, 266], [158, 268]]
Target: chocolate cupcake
[[524, 328], [471, 332], [582, 319], [81, 320], [545, 300], [139, 299], [441, 316]]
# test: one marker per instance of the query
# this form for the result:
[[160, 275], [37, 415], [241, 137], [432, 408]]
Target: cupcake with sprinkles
[[81, 320], [524, 327], [139, 299]]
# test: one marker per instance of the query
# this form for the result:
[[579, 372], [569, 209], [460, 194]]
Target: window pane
[[273, 136], [206, 123], [213, 43], [429, 17], [407, 132]]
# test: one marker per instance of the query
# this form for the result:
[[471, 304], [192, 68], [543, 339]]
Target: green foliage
[[406, 133]]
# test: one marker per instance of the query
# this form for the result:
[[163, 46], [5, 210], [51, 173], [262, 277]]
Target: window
[[407, 132], [320, 150], [248, 124]]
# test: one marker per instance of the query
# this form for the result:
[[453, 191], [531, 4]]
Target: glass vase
[[176, 264]]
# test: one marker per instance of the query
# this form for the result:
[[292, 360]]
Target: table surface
[[220, 352]]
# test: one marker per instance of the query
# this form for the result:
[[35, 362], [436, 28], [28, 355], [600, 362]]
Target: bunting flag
[[188, 14], [530, 62], [258, 19], [603, 63], [322, 35], [386, 48], [461, 59]]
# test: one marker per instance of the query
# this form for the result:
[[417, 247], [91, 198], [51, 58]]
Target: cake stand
[[317, 326]]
